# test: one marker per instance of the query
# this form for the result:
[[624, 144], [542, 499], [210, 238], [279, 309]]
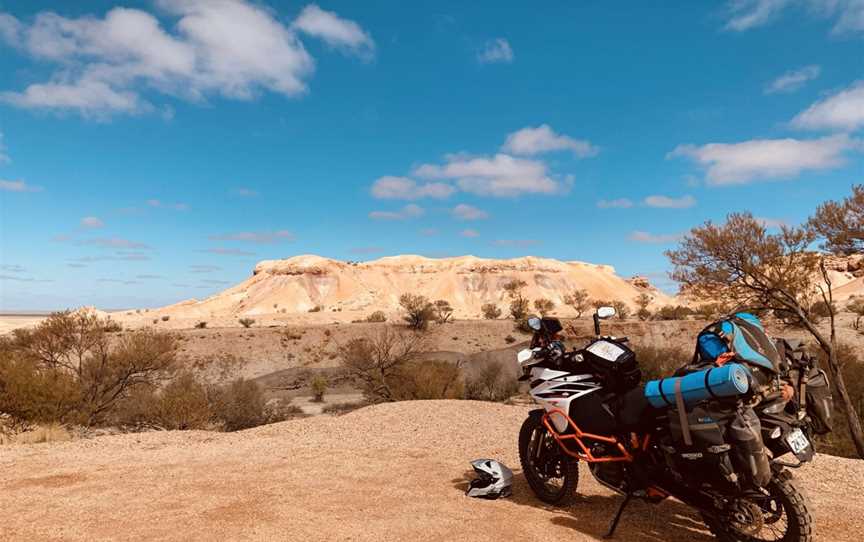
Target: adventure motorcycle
[[595, 411]]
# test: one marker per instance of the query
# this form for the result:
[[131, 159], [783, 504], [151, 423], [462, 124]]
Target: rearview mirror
[[605, 312], [534, 323]]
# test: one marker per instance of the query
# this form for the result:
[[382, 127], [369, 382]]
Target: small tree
[[377, 359], [642, 301], [856, 307], [419, 310], [490, 311], [443, 311], [318, 386], [544, 306], [741, 262], [246, 322], [622, 309], [578, 301], [518, 304]]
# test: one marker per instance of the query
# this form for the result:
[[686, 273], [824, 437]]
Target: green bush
[[377, 317], [183, 404], [491, 311], [427, 380], [239, 405], [319, 387], [489, 382], [246, 322]]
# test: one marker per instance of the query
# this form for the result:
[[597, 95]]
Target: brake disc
[[746, 517]]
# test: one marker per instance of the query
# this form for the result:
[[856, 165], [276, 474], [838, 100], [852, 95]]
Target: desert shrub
[[377, 317], [279, 410], [660, 361], [838, 442], [344, 408], [155, 321], [182, 404], [579, 301], [443, 311], [518, 304], [519, 309], [597, 303], [489, 382], [622, 309], [821, 309], [419, 311], [319, 387], [316, 308], [246, 322], [509, 339], [710, 311], [490, 311], [428, 379], [69, 361], [32, 394], [166, 318], [239, 405], [544, 306], [376, 359], [110, 326], [51, 432], [856, 307], [201, 325], [670, 312]]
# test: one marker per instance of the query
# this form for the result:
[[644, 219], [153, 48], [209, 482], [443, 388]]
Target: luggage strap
[[682, 413], [708, 385]]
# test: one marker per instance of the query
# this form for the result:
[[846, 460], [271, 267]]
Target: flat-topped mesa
[[323, 289]]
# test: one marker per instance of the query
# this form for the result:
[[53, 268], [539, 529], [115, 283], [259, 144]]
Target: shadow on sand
[[590, 515]]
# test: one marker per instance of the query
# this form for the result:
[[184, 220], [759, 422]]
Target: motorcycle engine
[[611, 474]]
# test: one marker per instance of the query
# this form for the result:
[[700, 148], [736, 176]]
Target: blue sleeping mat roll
[[729, 380]]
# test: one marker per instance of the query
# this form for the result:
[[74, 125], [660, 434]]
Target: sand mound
[[390, 472], [349, 290]]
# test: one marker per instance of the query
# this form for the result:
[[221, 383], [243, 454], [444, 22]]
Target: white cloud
[[263, 237], [532, 141], [843, 111], [159, 204], [246, 192], [468, 212], [646, 237], [231, 48], [335, 31], [620, 203], [497, 50], [666, 202], [740, 163], [404, 188], [92, 222], [405, 213], [793, 80], [470, 233], [4, 158], [113, 242], [501, 175], [18, 186], [772, 223], [748, 14]]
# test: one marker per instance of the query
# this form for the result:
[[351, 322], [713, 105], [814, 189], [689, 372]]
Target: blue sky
[[153, 151]]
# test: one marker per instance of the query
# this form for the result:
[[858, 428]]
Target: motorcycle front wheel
[[783, 517], [551, 473]]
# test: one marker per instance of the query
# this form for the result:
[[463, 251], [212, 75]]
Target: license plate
[[797, 441]]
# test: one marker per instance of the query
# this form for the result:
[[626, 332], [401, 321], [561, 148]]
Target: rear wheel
[[782, 517], [551, 473]]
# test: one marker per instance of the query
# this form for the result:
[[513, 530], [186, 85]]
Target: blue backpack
[[743, 335]]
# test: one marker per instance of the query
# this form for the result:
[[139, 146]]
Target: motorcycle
[[593, 410]]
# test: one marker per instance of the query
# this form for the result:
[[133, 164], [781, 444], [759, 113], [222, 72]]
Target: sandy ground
[[389, 472]]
